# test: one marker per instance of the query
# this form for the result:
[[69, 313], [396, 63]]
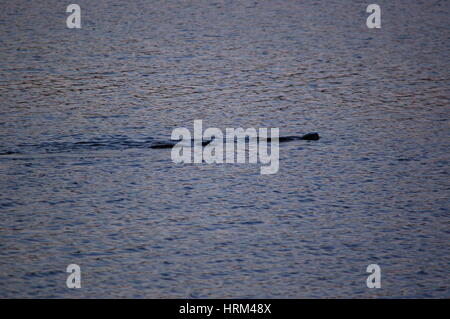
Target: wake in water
[[122, 143]]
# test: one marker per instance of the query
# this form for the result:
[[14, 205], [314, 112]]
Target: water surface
[[77, 187]]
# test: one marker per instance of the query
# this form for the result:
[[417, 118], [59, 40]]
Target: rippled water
[[75, 188]]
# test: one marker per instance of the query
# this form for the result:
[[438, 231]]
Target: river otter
[[307, 137]]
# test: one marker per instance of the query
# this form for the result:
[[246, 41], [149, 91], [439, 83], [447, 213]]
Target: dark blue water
[[78, 184]]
